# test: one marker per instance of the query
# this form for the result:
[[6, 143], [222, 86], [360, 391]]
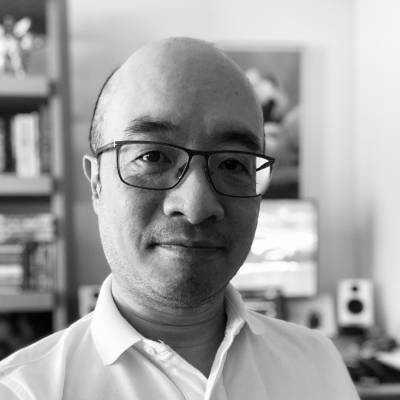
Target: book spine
[[11, 276], [25, 141], [3, 153], [35, 129], [42, 267], [44, 140], [12, 269]]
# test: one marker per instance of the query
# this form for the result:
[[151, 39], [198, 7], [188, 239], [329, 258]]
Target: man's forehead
[[183, 77], [221, 132], [180, 60]]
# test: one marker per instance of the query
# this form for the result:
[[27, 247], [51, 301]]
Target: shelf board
[[26, 301], [381, 391], [31, 86], [23, 92], [11, 185]]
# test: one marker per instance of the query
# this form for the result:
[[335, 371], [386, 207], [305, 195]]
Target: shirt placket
[[188, 380], [214, 389]]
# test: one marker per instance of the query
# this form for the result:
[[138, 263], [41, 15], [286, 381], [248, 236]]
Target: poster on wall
[[275, 75]]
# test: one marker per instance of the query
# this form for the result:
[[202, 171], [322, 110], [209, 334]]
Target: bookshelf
[[29, 88], [27, 93], [26, 301], [13, 186], [45, 88]]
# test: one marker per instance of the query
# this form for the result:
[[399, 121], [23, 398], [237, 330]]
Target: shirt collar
[[113, 334], [238, 313]]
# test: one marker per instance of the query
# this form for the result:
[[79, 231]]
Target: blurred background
[[327, 75]]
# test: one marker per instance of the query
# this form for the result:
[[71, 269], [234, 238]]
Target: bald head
[[175, 67]]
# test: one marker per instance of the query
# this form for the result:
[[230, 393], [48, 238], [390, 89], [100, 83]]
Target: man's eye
[[153, 157], [232, 165]]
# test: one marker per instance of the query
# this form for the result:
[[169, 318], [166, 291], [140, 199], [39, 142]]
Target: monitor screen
[[284, 252]]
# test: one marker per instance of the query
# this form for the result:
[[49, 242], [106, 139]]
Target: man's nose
[[194, 197]]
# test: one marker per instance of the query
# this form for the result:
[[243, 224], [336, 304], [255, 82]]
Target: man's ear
[[91, 171]]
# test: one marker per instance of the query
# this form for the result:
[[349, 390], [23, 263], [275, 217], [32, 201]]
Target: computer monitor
[[284, 253]]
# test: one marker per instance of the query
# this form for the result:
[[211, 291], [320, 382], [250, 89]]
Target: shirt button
[[148, 349], [165, 356]]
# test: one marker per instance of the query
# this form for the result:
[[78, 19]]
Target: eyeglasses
[[161, 166]]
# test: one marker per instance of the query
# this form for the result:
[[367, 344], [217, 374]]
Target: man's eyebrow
[[241, 136], [150, 125]]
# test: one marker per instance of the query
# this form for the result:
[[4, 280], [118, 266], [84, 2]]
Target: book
[[11, 276], [27, 266], [3, 153], [12, 266], [9, 156], [44, 140], [11, 248], [27, 227], [25, 144], [41, 261]]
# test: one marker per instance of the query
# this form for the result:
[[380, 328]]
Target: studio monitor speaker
[[355, 303]]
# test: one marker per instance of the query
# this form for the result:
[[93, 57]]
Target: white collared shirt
[[103, 357]]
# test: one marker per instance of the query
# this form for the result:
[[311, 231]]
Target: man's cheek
[[244, 228]]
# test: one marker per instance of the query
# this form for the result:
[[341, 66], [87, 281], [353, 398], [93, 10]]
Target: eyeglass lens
[[159, 166]]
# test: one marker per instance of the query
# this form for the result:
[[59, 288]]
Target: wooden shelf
[[11, 185], [31, 86], [45, 90], [28, 91], [379, 391], [26, 301]]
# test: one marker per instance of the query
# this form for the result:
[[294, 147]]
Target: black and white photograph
[[199, 200]]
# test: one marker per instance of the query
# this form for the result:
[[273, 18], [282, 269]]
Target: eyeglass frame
[[117, 144]]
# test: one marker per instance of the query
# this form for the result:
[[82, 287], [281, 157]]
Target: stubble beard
[[186, 290]]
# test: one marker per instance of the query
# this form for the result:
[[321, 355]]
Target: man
[[176, 176]]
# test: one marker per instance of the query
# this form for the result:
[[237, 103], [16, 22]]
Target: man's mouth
[[187, 240], [190, 244]]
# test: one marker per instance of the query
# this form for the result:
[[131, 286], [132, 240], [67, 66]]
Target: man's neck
[[195, 334]]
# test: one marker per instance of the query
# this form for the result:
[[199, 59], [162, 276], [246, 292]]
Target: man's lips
[[186, 238], [189, 244]]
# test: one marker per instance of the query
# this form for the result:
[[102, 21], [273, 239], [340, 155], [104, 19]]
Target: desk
[[387, 391]]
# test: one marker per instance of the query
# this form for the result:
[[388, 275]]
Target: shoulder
[[305, 362], [280, 338], [294, 340], [299, 350]]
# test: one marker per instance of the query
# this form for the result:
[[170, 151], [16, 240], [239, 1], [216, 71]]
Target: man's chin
[[189, 294], [183, 282]]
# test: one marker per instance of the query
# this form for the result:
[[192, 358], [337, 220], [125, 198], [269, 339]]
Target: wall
[[103, 33], [378, 153]]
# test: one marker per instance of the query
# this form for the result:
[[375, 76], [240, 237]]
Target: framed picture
[[275, 73]]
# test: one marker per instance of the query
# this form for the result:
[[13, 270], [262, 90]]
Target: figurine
[[15, 44]]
